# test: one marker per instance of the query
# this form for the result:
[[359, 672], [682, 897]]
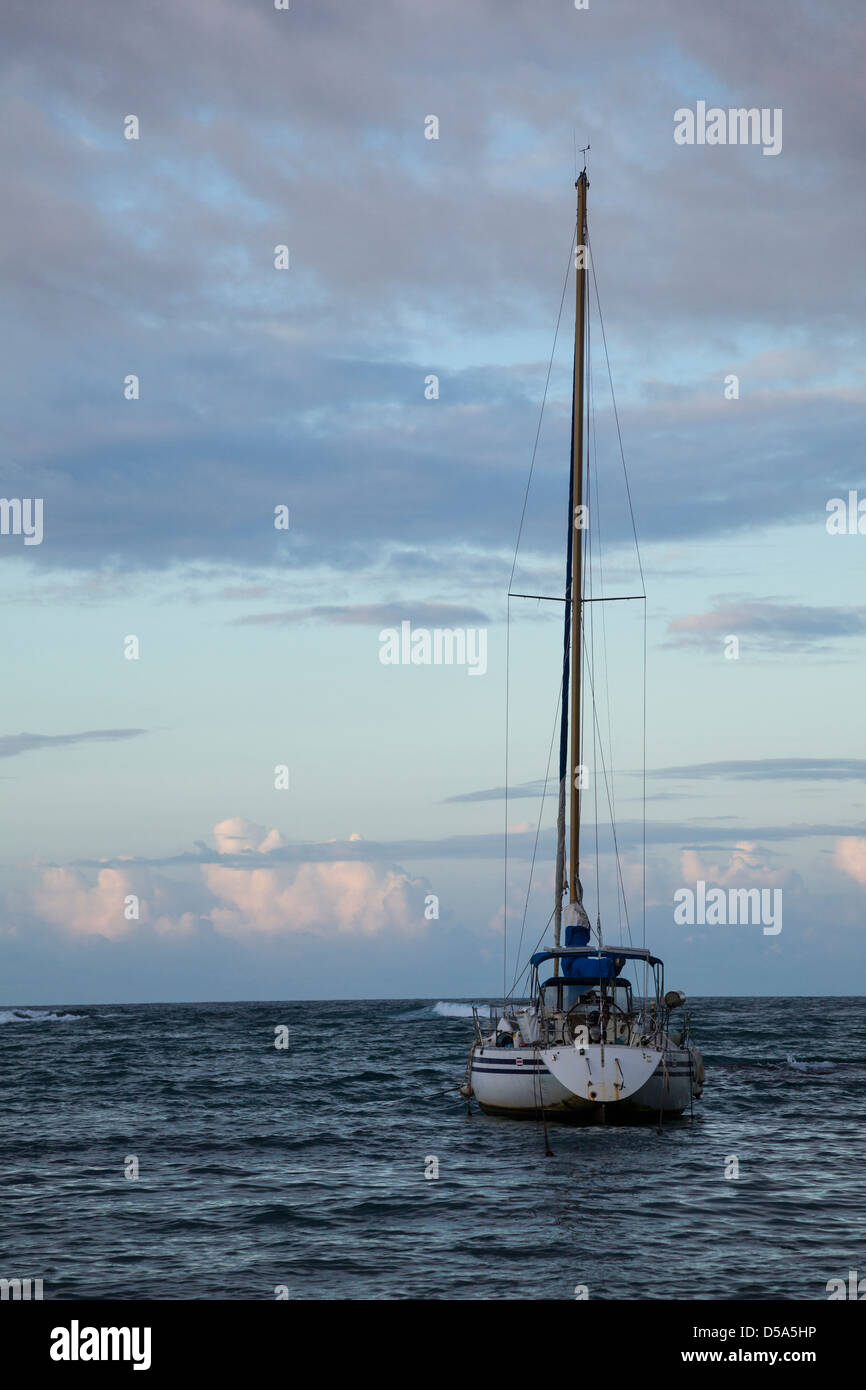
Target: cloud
[[746, 867], [850, 857], [245, 591], [239, 836], [521, 844], [515, 793], [12, 745], [246, 898], [374, 614], [453, 263], [770, 625], [771, 769], [323, 899], [68, 900]]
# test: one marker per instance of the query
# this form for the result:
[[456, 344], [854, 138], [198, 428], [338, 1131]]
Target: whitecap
[[37, 1016], [808, 1066], [446, 1010]]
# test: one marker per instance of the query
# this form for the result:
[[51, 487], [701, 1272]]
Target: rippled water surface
[[305, 1167]]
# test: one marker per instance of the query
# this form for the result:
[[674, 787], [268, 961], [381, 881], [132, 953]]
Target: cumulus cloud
[[68, 900], [746, 867], [850, 857], [325, 898], [239, 836]]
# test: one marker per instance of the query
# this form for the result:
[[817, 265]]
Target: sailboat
[[586, 1045]]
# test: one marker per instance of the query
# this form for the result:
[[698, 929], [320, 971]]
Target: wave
[[446, 1010], [37, 1016], [809, 1066]]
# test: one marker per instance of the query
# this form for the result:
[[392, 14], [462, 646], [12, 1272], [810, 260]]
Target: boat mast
[[572, 616], [574, 893]]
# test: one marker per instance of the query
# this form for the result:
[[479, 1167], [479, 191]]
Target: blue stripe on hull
[[509, 1071]]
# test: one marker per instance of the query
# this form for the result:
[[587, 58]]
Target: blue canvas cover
[[587, 968]]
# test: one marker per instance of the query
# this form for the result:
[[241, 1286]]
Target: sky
[[152, 848]]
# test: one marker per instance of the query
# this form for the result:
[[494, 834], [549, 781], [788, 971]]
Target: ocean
[[172, 1151]]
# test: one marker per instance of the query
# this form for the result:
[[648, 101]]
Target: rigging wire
[[615, 412], [588, 645], [537, 835], [607, 790], [599, 550], [588, 585], [639, 561], [508, 614], [598, 741], [519, 977], [541, 412], [505, 827]]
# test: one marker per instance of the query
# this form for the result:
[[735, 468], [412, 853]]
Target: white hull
[[565, 1080]]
